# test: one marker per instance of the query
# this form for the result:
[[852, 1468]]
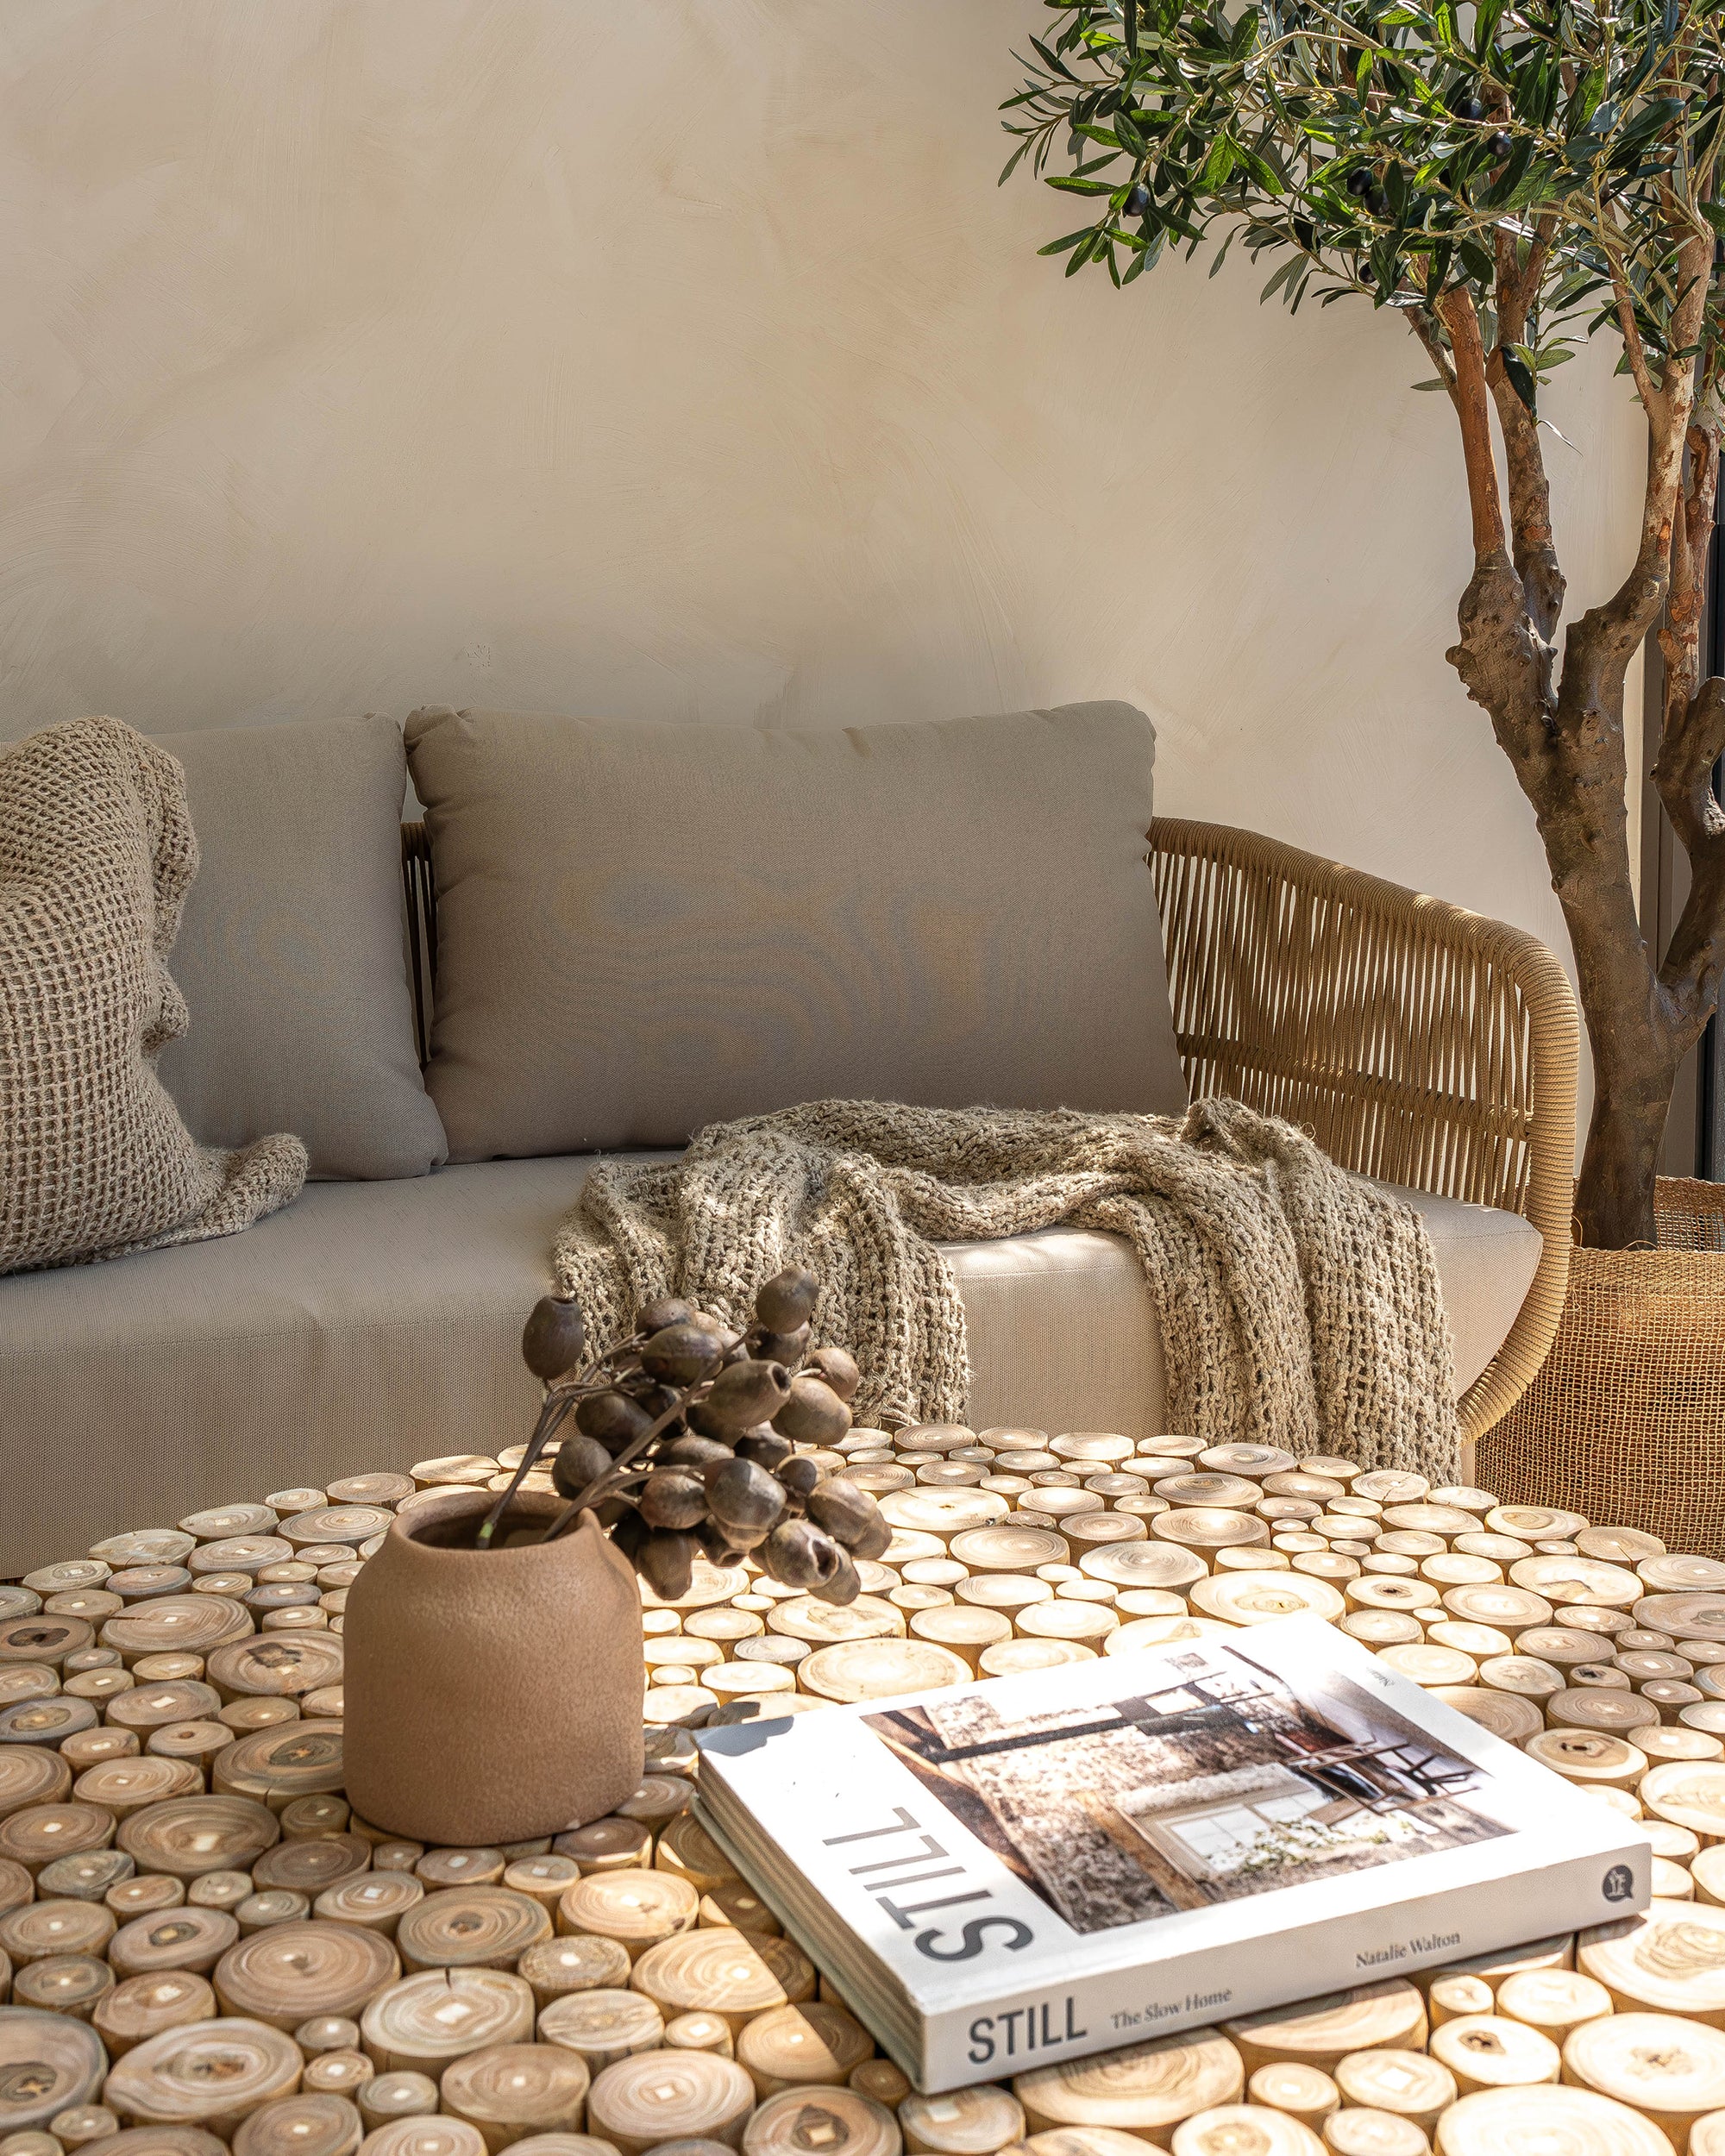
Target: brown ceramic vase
[[491, 1696]]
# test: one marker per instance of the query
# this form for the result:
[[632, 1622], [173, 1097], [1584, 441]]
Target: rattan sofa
[[377, 1318]]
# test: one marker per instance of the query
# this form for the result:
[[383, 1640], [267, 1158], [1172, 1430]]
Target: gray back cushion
[[291, 953], [644, 928]]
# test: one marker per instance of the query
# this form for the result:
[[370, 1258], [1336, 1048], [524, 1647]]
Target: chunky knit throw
[[96, 854], [1299, 1305]]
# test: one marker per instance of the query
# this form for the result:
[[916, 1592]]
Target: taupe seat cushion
[[292, 954], [373, 1324], [645, 928]]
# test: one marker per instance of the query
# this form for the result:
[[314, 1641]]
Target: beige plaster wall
[[681, 358]]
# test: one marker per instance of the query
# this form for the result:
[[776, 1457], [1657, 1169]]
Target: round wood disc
[[1005, 1592], [55, 1927], [1522, 1674], [509, 2089], [1153, 1564], [1506, 1715], [556, 1967], [190, 1835], [823, 1624], [1578, 1582], [396, 2096], [423, 2021], [722, 1971], [1201, 1528], [1530, 2121], [373, 1490], [1511, 1609], [193, 1939], [31, 1774], [1407, 2084], [286, 1975], [314, 1864], [63, 1984], [209, 2074], [1321, 2031], [1678, 1574], [1670, 1960], [1581, 1755], [302, 1758], [35, 1837], [246, 1555], [313, 2122], [1141, 2089], [1012, 1658], [603, 2025], [347, 1524], [132, 1784], [1089, 1623], [962, 1628], [143, 2007], [471, 1928], [1015, 1546], [43, 1640], [1263, 1598], [1613, 1713], [1486, 2051], [1306, 2093], [944, 1512], [1162, 1631], [610, 1844], [1670, 2071], [639, 2102], [270, 1666], [417, 2136], [881, 1669], [156, 1705], [1226, 2127], [374, 1900], [145, 1545], [48, 2063], [963, 2123], [221, 1522], [821, 2118], [1691, 1615], [177, 1624], [1102, 1530], [815, 2042], [636, 1909]]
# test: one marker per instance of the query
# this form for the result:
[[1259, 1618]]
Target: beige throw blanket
[[1299, 1305]]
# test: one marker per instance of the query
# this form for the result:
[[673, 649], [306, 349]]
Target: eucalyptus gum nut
[[613, 1418], [846, 1583], [743, 1497], [653, 1317], [787, 1301], [796, 1554], [672, 1497], [681, 1355], [717, 1543], [764, 1446], [666, 1561], [800, 1475], [788, 1348], [814, 1414], [553, 1338], [579, 1462], [850, 1515], [691, 1450], [748, 1394], [838, 1370]]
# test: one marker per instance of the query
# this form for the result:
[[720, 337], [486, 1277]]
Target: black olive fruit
[[1138, 201], [681, 1355], [666, 1561], [851, 1516], [814, 1414], [690, 1450], [579, 1462], [653, 1317], [838, 1369], [1501, 145], [553, 1338], [745, 1499], [788, 1348], [673, 1497], [748, 1394], [764, 1446], [1360, 180], [796, 1554], [787, 1301], [612, 1418], [800, 1475]]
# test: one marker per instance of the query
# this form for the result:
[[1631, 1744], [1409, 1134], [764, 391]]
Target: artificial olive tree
[[1508, 180]]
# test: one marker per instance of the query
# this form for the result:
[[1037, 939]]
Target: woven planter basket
[[1626, 1421]]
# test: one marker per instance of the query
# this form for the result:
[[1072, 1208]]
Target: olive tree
[[1508, 180]]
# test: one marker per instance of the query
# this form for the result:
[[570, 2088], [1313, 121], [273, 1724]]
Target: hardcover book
[[1028, 1869]]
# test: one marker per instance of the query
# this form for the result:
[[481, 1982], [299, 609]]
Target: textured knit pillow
[[96, 854]]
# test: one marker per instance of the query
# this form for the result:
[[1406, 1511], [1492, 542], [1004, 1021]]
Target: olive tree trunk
[[1556, 706]]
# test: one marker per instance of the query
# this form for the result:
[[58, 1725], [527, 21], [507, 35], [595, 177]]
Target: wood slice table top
[[206, 1953]]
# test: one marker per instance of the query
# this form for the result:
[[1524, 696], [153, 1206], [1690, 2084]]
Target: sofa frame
[[1417, 1042]]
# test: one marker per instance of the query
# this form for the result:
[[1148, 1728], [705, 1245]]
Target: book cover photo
[[1029, 1868]]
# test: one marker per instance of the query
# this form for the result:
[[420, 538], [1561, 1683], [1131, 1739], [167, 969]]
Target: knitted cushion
[[643, 928], [96, 854]]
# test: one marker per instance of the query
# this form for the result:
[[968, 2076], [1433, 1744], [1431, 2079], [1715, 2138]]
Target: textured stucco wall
[[682, 358]]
